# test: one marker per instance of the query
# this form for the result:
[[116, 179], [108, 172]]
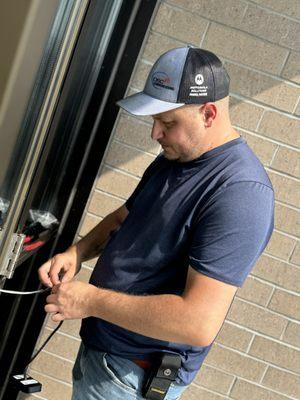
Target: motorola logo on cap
[[161, 80], [199, 79]]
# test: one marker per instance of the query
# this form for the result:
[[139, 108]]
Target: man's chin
[[169, 155]]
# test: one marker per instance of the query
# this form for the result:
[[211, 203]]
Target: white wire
[[16, 292]]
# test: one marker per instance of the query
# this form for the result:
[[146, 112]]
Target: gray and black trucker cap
[[185, 75]]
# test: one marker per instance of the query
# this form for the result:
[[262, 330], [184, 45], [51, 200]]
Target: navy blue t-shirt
[[214, 213]]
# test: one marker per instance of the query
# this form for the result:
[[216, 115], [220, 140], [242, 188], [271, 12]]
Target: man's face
[[180, 132]]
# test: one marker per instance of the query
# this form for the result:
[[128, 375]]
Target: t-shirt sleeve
[[232, 231], [145, 178]]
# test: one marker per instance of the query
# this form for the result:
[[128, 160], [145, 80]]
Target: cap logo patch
[[199, 79], [161, 80], [198, 91]]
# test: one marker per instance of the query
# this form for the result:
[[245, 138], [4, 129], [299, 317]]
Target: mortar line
[[285, 62], [274, 12], [274, 154], [260, 119], [258, 334], [283, 174], [275, 313], [204, 34], [223, 24], [51, 377], [296, 105]]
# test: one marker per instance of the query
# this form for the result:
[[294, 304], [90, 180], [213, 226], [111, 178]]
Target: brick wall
[[257, 352]]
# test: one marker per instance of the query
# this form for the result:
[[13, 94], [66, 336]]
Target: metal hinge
[[13, 252]]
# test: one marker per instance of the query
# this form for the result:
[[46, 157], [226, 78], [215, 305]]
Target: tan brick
[[263, 149], [297, 111], [285, 303], [70, 326], [92, 262], [136, 133], [282, 381], [256, 318], [291, 70], [60, 344], [288, 7], [52, 389], [296, 254], [84, 274], [246, 390], [244, 115], [25, 396], [280, 127], [240, 46], [53, 366], [287, 220], [235, 363], [255, 291], [116, 182], [263, 88], [292, 334], [273, 27], [287, 190], [276, 353], [214, 379], [234, 337], [140, 75], [128, 159], [158, 44], [280, 245], [194, 392], [181, 25], [103, 204], [229, 12], [277, 272], [88, 223], [287, 160]]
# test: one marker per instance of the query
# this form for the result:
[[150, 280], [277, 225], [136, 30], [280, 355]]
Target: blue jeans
[[103, 376]]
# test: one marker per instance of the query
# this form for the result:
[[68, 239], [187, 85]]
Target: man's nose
[[157, 131]]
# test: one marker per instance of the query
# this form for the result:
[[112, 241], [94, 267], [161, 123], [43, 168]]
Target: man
[[178, 248]]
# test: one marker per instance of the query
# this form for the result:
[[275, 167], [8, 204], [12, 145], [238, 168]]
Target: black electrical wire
[[41, 348]]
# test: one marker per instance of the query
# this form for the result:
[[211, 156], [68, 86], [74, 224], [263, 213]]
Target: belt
[[142, 363]]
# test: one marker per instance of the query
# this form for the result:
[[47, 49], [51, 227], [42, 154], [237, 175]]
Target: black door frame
[[25, 314]]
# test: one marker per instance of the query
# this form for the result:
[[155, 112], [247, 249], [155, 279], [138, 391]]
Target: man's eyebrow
[[162, 118]]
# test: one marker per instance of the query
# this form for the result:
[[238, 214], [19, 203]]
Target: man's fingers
[[51, 298], [51, 308], [55, 270], [57, 317], [43, 273], [67, 276]]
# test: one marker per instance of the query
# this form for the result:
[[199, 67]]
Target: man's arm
[[64, 266], [193, 318], [91, 245]]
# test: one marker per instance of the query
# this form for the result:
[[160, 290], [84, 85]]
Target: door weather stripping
[[13, 252]]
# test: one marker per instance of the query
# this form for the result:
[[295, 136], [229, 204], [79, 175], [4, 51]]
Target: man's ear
[[210, 113]]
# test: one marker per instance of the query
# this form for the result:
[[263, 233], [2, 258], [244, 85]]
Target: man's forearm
[[165, 317], [91, 245]]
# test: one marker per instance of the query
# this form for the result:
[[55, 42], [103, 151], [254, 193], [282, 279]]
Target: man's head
[[187, 132], [186, 93]]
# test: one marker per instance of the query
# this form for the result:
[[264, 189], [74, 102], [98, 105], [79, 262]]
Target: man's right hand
[[60, 268]]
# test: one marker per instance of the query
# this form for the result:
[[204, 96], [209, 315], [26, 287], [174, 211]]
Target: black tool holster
[[161, 377]]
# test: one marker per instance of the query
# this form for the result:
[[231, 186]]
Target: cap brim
[[143, 104]]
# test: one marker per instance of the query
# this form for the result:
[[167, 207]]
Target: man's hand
[[71, 300], [60, 268]]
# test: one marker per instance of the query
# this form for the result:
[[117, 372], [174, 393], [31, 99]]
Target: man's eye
[[169, 124]]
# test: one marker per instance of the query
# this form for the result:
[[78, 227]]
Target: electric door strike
[[13, 252]]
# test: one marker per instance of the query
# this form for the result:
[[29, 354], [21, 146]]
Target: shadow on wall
[[259, 45]]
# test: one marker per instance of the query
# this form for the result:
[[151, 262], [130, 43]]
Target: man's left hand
[[71, 300]]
